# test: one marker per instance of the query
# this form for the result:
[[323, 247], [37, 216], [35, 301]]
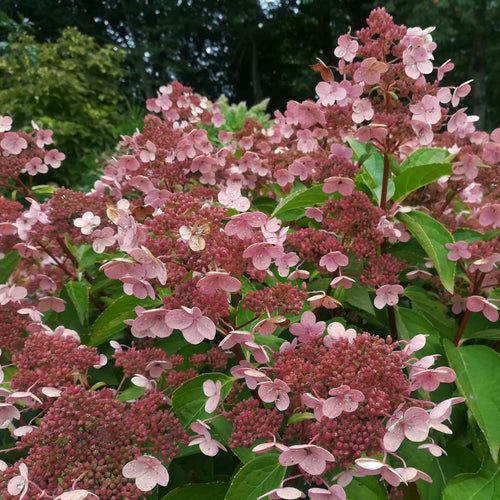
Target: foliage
[[71, 86], [307, 306]]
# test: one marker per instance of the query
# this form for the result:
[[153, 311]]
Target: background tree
[[71, 86]]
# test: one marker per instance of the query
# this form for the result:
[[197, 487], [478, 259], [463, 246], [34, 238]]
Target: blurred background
[[85, 67]]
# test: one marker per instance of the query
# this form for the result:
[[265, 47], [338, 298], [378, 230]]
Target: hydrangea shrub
[[293, 308]]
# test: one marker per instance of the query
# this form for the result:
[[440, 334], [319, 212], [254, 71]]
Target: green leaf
[[493, 334], [7, 265], [484, 485], [371, 175], [413, 178], [133, 392], [427, 303], [411, 322], [478, 379], [293, 205], [188, 401], [78, 293], [110, 321], [299, 417], [432, 236], [262, 474], [213, 491], [366, 488], [264, 204], [426, 156]]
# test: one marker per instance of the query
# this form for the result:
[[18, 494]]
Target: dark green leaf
[[478, 379], [188, 401], [262, 474], [293, 205], [432, 236], [413, 178], [78, 293], [203, 491], [485, 485], [110, 321], [371, 175], [426, 156], [366, 488], [7, 265]]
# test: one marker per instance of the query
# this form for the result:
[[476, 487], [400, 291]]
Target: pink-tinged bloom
[[427, 110], [486, 264], [142, 381], [393, 231], [283, 177], [412, 424], [444, 68], [262, 254], [212, 390], [315, 403], [54, 303], [150, 323], [285, 261], [321, 299], [151, 266], [417, 61], [362, 110], [309, 457], [139, 288], [156, 368], [423, 131], [466, 167], [246, 370], [43, 138], [415, 344], [102, 238], [27, 398], [231, 197], [217, 280], [259, 352], [333, 260], [344, 399], [459, 250], [267, 326], [54, 158], [387, 295], [235, 337], [343, 281], [283, 493], [11, 294], [5, 123], [147, 471], [128, 163], [461, 124], [275, 391], [8, 412], [329, 93], [347, 48], [341, 151], [19, 485], [306, 142], [433, 449], [241, 225], [370, 71], [334, 492], [489, 215], [461, 91], [476, 303], [429, 379], [373, 131], [442, 412], [12, 143], [35, 166], [306, 114], [458, 304], [343, 185], [208, 446], [87, 222], [194, 326], [308, 328], [77, 495], [302, 167]]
